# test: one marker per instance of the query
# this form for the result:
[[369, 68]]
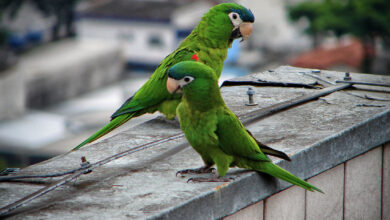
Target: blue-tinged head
[[242, 20], [184, 73], [245, 14], [198, 84], [227, 21]]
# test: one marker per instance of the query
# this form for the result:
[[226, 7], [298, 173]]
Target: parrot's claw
[[201, 170], [209, 179]]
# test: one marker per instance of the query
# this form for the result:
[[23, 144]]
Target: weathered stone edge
[[252, 187]]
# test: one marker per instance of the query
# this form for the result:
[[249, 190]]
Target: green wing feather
[[235, 140], [270, 151], [216, 133], [154, 91], [210, 40], [147, 99], [228, 120]]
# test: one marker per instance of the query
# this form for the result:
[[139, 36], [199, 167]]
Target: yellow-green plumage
[[215, 132], [209, 42]]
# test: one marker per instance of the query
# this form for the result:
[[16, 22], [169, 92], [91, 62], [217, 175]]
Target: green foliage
[[3, 36], [364, 19], [370, 17], [3, 163], [360, 18], [3, 30], [309, 10]]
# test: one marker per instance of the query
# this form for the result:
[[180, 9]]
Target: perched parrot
[[213, 130], [208, 43]]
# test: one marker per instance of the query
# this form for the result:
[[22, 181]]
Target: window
[[156, 41]]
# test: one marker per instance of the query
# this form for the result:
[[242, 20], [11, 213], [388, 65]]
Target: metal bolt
[[85, 164], [83, 160], [347, 76], [316, 71], [250, 92]]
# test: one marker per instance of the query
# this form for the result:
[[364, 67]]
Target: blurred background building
[[144, 29], [66, 65]]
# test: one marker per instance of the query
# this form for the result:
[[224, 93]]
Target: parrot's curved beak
[[245, 30], [172, 85]]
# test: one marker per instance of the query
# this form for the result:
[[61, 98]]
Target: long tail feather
[[283, 174], [114, 123], [275, 171]]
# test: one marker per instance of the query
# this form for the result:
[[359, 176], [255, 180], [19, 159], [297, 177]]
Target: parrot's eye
[[235, 19], [187, 79]]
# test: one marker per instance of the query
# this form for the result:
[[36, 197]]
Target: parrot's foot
[[209, 179], [200, 170]]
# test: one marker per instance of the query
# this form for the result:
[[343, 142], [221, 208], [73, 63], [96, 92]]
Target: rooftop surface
[[318, 135]]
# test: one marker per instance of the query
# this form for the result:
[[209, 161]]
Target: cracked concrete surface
[[318, 135]]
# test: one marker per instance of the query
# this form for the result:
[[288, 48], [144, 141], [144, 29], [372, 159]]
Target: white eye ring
[[235, 19], [186, 80]]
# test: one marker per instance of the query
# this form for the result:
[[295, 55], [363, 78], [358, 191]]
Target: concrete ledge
[[251, 187], [318, 136]]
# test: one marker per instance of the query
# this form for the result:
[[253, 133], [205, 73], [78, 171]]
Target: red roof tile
[[350, 53]]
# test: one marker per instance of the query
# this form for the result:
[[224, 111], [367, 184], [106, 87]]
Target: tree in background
[[5, 59], [367, 20]]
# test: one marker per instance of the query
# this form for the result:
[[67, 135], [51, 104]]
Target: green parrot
[[213, 130], [208, 43]]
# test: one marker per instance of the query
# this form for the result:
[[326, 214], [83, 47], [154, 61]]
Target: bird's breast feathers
[[199, 127]]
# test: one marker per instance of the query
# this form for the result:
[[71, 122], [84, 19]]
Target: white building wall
[[272, 28], [133, 37]]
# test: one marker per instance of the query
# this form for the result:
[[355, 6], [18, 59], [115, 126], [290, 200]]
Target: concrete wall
[[272, 28], [356, 189]]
